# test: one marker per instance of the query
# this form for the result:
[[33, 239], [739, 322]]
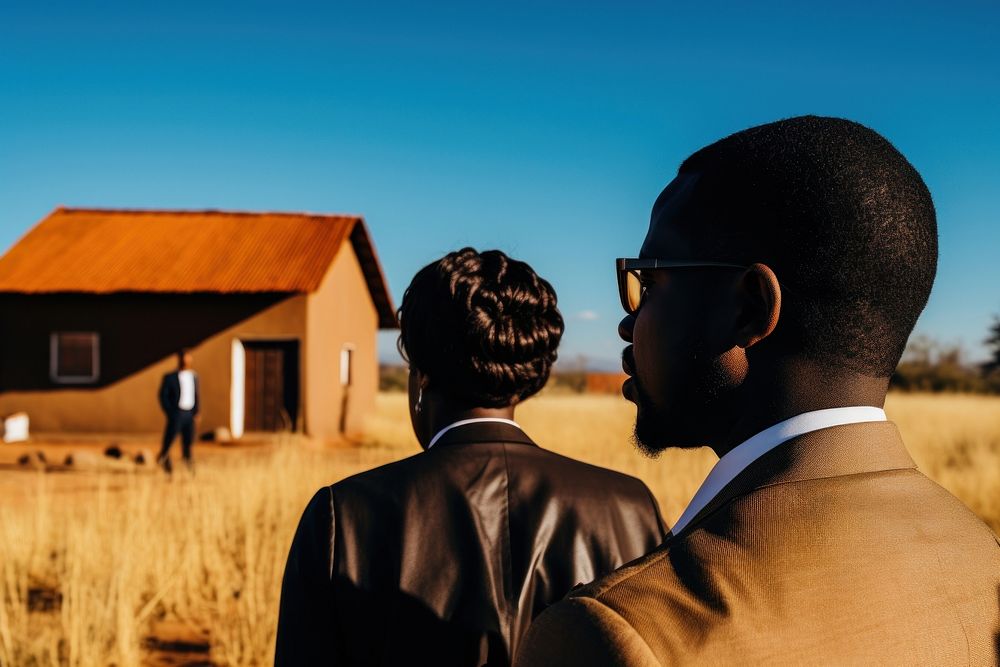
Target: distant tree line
[[392, 377], [927, 365], [568, 377]]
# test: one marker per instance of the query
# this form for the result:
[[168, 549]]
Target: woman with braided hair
[[445, 557]]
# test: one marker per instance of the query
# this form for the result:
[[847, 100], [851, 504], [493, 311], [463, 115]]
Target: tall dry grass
[[134, 551]]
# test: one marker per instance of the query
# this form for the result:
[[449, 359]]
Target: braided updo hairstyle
[[482, 327]]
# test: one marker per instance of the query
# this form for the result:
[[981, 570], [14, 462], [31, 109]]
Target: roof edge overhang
[[173, 292], [378, 287], [360, 241]]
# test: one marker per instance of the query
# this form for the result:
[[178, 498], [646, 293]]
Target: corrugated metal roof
[[101, 251]]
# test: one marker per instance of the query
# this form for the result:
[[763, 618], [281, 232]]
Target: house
[[280, 312]]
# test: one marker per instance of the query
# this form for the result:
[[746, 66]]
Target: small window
[[347, 366], [74, 357]]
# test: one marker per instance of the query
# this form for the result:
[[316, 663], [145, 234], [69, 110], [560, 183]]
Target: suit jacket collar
[[850, 449], [479, 432]]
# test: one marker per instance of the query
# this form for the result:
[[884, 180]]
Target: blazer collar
[[850, 449], [478, 432]]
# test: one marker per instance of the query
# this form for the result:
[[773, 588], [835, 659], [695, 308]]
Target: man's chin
[[652, 444], [648, 436], [657, 430]]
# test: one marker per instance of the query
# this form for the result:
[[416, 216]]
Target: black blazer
[[445, 557], [170, 393]]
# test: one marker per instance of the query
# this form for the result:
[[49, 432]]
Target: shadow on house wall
[[136, 330]]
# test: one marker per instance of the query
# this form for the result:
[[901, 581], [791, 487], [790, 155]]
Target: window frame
[[54, 358]]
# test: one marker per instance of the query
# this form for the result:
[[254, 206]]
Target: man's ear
[[760, 297]]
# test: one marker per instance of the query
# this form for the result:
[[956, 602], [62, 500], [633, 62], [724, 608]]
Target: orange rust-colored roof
[[100, 251]]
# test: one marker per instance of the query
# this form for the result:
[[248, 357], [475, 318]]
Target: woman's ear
[[422, 380], [760, 305]]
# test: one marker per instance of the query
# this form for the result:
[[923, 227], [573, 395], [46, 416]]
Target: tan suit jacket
[[830, 549]]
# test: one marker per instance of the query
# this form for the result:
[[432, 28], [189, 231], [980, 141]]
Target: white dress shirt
[[463, 422], [186, 379], [737, 459]]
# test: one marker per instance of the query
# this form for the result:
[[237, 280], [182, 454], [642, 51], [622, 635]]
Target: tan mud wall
[[340, 312]]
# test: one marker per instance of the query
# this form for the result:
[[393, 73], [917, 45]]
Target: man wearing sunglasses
[[783, 271]]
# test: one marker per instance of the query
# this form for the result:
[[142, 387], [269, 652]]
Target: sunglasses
[[631, 289]]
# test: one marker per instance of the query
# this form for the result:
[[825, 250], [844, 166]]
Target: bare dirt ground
[[50, 454]]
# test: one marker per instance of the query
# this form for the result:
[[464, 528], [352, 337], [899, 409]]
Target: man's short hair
[[844, 220]]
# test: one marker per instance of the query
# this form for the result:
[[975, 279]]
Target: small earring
[[420, 397]]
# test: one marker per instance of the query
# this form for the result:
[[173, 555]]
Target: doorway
[[271, 387]]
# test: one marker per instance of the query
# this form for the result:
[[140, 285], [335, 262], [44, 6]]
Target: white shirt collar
[[737, 459], [463, 422]]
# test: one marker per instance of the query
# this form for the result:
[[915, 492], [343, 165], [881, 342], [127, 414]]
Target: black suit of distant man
[[179, 399]]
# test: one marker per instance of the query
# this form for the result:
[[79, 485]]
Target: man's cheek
[[645, 341]]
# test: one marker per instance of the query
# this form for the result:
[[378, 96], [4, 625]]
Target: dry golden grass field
[[125, 568]]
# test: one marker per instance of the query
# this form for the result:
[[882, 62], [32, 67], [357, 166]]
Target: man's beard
[[649, 431], [682, 422]]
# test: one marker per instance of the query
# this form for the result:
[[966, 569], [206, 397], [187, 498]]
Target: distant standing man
[[179, 396]]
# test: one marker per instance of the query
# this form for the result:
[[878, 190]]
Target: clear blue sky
[[545, 129]]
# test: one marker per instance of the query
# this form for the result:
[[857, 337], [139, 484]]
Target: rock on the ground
[[84, 460], [34, 460]]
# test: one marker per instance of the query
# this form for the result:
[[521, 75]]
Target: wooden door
[[271, 387]]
